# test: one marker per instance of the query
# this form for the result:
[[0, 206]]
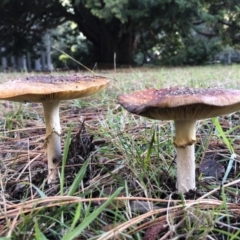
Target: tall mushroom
[[185, 106], [50, 90]]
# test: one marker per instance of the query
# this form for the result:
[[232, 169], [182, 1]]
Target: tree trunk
[[108, 38], [37, 65], [29, 65], [3, 60], [47, 41], [13, 63], [123, 46], [43, 60], [21, 62]]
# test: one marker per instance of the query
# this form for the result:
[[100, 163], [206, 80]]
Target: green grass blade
[[226, 234], [78, 178], [222, 134], [149, 151], [65, 154], [235, 235], [229, 146], [76, 216], [85, 223], [229, 167], [40, 192], [225, 206], [38, 234]]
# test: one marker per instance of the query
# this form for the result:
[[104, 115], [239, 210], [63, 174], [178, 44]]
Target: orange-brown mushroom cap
[[179, 103], [51, 88]]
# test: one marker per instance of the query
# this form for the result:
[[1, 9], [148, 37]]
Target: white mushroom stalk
[[53, 140], [185, 137]]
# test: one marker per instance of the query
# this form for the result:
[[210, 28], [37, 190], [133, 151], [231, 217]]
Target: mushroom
[[185, 106], [50, 90]]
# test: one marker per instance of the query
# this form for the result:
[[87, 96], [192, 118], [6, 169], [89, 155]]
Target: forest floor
[[118, 179]]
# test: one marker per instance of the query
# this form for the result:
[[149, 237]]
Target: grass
[[125, 156]]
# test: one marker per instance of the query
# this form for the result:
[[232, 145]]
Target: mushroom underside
[[193, 111]]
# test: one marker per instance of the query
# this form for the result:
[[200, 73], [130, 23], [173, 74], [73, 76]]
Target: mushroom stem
[[53, 140], [184, 140], [185, 169]]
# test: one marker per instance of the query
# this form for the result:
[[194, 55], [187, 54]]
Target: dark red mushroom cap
[[178, 103]]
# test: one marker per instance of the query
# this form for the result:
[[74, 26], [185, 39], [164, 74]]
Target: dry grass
[[148, 206]]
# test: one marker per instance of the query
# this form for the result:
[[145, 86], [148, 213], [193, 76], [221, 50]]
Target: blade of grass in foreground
[[222, 134], [78, 178], [149, 151], [234, 236], [71, 234], [38, 234], [229, 146], [76, 217], [65, 154]]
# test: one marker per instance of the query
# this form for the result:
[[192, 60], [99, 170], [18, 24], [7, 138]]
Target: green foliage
[[23, 23], [109, 9], [188, 51], [124, 27], [68, 39]]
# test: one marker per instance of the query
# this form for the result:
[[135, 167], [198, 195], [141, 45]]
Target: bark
[[37, 63], [47, 41], [3, 61], [107, 37]]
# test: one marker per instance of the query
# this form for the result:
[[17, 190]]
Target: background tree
[[123, 26], [23, 23]]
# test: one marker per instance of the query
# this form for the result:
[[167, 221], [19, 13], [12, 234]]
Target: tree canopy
[[124, 27]]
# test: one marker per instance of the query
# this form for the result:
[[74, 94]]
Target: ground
[[109, 152]]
